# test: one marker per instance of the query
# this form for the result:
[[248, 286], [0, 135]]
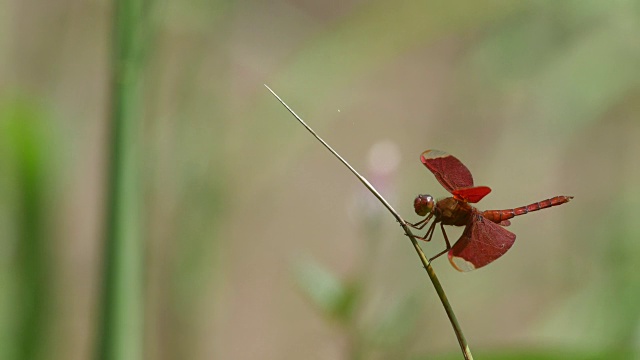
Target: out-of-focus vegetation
[[256, 243]]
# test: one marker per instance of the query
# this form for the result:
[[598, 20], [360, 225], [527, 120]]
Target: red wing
[[472, 195], [449, 171], [482, 242]]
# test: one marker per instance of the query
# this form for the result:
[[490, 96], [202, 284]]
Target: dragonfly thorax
[[451, 211]]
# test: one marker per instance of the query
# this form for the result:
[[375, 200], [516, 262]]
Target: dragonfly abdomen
[[500, 215]]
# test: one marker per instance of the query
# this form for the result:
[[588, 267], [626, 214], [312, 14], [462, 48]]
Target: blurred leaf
[[519, 46], [587, 78], [605, 313], [26, 270], [622, 279], [396, 26], [397, 325], [342, 54], [574, 61], [329, 293]]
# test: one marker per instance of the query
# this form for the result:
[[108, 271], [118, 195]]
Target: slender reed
[[120, 333], [427, 265]]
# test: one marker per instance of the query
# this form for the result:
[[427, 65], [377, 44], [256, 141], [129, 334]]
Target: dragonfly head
[[424, 204]]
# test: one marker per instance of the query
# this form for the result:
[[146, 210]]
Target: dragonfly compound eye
[[423, 204]]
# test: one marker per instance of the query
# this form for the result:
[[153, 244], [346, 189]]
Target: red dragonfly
[[484, 238]]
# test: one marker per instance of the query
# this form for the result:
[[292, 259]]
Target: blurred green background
[[253, 242]]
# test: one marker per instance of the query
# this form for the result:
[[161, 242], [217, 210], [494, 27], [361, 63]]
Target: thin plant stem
[[425, 262], [121, 333]]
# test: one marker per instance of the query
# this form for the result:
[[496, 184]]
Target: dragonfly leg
[[429, 234], [420, 224], [446, 240]]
